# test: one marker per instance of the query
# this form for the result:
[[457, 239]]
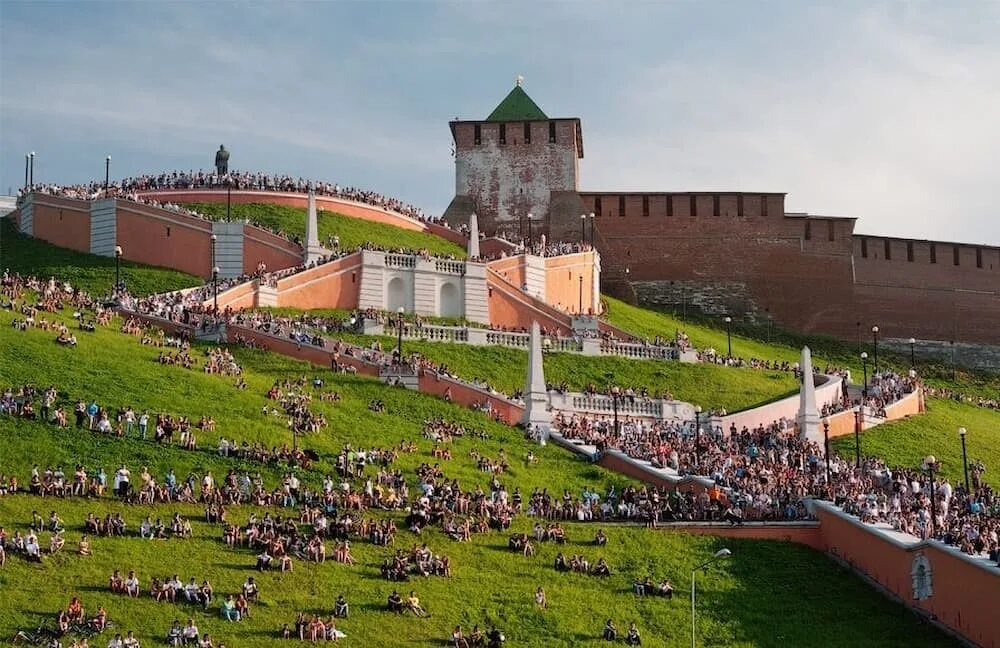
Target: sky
[[888, 112]]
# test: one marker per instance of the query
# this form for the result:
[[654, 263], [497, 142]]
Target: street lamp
[[930, 463], [229, 198], [399, 343], [965, 460], [213, 238], [826, 451], [583, 228], [581, 295], [875, 349], [729, 335], [697, 436], [32, 175], [913, 341], [530, 216], [721, 553], [107, 174], [864, 364], [26, 162], [118, 271], [592, 242], [215, 290]]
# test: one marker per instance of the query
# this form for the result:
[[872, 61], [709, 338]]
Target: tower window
[[954, 254], [503, 133], [739, 206], [830, 230], [808, 230], [693, 207], [670, 206], [621, 205], [527, 132], [888, 250], [716, 205], [933, 253], [864, 248], [597, 205], [552, 132], [979, 257], [909, 251], [645, 206], [477, 135], [763, 206]]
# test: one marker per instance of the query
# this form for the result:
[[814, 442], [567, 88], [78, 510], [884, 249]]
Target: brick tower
[[515, 162]]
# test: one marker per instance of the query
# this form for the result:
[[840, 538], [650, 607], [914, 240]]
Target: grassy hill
[[95, 274], [744, 601], [352, 231]]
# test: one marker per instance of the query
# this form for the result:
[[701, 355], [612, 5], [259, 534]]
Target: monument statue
[[222, 160]]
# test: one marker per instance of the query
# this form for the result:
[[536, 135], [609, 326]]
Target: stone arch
[[450, 301], [395, 294]]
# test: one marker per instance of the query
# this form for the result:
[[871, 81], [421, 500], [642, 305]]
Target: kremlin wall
[[721, 253]]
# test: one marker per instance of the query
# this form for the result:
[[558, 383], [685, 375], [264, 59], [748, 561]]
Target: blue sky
[[886, 112]]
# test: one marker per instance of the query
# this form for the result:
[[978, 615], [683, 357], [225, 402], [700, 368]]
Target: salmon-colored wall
[[340, 206], [510, 268], [512, 308], [158, 237], [807, 534], [908, 406], [237, 297], [62, 221], [332, 285], [319, 357], [842, 423], [277, 253], [562, 281], [964, 597], [430, 383]]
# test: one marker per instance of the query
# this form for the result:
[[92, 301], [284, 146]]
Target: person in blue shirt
[[92, 410]]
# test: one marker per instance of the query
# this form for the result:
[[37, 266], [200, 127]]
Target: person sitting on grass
[[100, 620], [132, 585], [601, 539], [175, 635], [494, 638], [610, 632], [340, 607], [83, 549], [130, 641], [242, 606], [116, 583], [560, 563], [316, 629], [395, 602], [665, 589], [75, 610], [190, 633], [56, 543], [632, 636], [229, 611], [601, 568], [458, 639], [250, 590], [413, 605]]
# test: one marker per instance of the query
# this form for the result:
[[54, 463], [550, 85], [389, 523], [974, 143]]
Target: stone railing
[[400, 261], [657, 409], [508, 339], [637, 350], [449, 267], [435, 333]]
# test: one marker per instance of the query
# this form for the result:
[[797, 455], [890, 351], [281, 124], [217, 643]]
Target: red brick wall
[[469, 396], [331, 285], [276, 252], [62, 221], [807, 534], [159, 237], [319, 357], [964, 596]]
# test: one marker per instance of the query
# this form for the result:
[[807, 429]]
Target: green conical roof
[[516, 106]]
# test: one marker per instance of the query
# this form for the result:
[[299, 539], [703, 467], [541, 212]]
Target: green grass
[[907, 442], [94, 274], [756, 598], [353, 232], [744, 601], [767, 342]]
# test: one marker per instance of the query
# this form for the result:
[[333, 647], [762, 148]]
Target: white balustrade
[[400, 261]]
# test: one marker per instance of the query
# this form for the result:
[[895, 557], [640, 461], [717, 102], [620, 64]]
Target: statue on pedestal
[[222, 160]]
